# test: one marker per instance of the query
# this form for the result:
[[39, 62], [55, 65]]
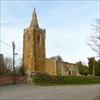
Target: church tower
[[34, 47]]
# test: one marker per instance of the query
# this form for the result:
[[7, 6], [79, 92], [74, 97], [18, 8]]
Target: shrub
[[45, 79], [40, 77], [22, 71], [5, 71], [57, 79]]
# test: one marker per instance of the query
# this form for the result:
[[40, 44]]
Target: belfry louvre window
[[28, 36], [38, 39]]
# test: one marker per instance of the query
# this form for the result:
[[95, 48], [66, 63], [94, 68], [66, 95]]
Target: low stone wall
[[4, 80], [21, 79]]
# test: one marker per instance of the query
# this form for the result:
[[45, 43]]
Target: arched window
[[28, 36], [38, 39], [69, 73], [28, 39]]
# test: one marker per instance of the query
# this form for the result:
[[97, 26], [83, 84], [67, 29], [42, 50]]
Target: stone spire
[[34, 22]]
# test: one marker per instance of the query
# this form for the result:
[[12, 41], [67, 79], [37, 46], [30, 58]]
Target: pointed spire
[[34, 22]]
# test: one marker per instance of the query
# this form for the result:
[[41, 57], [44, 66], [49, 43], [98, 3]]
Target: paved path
[[71, 92]]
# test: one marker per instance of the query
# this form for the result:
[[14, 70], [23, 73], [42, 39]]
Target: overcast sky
[[67, 24]]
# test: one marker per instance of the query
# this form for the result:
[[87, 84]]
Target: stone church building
[[34, 56]]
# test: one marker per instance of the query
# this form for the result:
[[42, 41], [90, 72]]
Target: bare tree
[[6, 66], [8, 62], [94, 41]]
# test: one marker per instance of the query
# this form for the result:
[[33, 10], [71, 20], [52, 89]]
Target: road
[[29, 92]]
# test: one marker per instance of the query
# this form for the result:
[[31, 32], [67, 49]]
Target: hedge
[[40, 78]]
